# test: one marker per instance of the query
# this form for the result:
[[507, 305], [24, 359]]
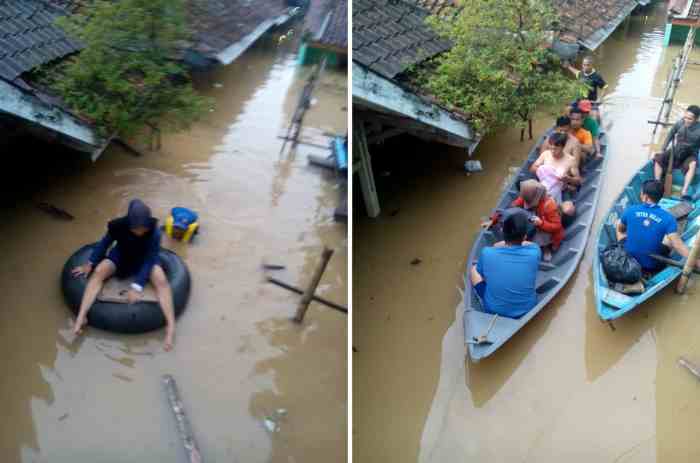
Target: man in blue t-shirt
[[505, 274], [644, 226]]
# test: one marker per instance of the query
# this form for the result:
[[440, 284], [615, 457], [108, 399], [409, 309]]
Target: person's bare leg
[[102, 272], [568, 208], [165, 298], [689, 177], [658, 171], [474, 276]]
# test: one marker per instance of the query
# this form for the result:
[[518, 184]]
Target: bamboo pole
[[690, 366], [689, 265], [183, 424], [309, 293]]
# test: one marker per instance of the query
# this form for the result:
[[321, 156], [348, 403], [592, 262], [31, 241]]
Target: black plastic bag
[[619, 266]]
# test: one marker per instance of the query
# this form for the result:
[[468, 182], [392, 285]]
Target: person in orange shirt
[[545, 216], [582, 135]]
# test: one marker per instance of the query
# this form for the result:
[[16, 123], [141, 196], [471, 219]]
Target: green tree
[[499, 70], [129, 75]]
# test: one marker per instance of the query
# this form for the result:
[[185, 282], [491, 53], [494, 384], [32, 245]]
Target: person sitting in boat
[[181, 224], [643, 228], [589, 122], [685, 157], [546, 217], [137, 238], [559, 173], [573, 146], [509, 293], [582, 135]]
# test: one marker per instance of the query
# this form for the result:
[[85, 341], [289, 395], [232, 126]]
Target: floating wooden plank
[[183, 424], [294, 289]]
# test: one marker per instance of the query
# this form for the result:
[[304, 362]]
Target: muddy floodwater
[[237, 358], [566, 387]]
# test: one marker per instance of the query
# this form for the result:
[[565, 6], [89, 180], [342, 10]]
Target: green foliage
[[499, 71], [128, 76]]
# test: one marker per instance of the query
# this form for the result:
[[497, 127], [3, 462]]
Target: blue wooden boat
[[612, 304], [484, 333]]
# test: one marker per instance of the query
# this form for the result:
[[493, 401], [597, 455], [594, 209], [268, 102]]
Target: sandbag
[[619, 266]]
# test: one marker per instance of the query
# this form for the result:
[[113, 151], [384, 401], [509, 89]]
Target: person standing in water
[[136, 252]]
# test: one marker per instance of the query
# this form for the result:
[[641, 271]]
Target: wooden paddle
[[668, 180], [689, 266]]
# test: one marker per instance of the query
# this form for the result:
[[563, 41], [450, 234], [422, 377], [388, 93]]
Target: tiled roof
[[590, 22], [678, 9], [390, 36], [335, 32], [439, 7], [217, 24], [316, 15], [28, 37]]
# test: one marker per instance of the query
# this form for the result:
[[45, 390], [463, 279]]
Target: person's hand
[[536, 221], [133, 296], [84, 269]]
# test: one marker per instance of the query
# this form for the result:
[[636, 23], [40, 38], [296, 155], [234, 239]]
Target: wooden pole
[[294, 289], [362, 159], [183, 425], [689, 265], [309, 293]]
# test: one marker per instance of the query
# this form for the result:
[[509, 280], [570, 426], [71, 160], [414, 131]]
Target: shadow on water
[[486, 377], [30, 364]]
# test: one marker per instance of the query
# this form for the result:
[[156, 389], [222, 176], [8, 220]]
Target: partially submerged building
[[585, 24], [388, 39], [222, 31], [682, 16], [325, 33], [29, 39]]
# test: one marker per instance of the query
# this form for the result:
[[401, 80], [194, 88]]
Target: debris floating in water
[[218, 85], [271, 425], [272, 422], [55, 211], [416, 261], [473, 166]]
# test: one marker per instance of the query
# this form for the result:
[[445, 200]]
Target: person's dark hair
[[576, 110], [695, 110], [563, 121], [654, 189], [515, 228], [558, 139]]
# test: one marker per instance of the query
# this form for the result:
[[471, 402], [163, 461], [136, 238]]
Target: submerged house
[[585, 24], [28, 39], [325, 33], [222, 31], [388, 39], [682, 16]]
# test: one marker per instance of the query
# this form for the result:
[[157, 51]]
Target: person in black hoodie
[[136, 253]]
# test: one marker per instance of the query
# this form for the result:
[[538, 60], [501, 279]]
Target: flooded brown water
[[237, 356], [566, 387]]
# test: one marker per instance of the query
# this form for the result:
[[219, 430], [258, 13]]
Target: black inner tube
[[121, 317]]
